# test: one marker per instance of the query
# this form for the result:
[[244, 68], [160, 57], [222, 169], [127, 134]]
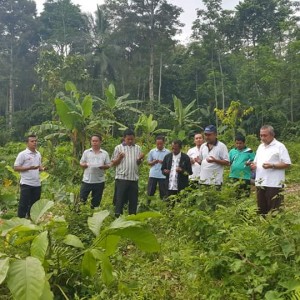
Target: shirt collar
[[28, 150], [124, 144]]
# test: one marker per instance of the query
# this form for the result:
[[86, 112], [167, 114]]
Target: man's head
[[210, 133], [176, 146], [31, 142], [96, 141], [160, 142], [129, 137], [198, 139], [267, 134], [240, 142]]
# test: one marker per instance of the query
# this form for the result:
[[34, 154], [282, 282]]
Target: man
[[177, 168], [194, 154], [240, 159], [213, 156], [155, 159], [94, 161], [29, 164], [271, 160], [126, 158]]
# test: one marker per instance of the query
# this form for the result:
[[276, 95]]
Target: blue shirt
[[155, 170]]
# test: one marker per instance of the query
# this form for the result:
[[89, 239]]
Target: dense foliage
[[248, 54], [209, 246]]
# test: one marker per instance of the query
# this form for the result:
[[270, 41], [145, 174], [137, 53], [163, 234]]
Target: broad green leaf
[[107, 270], [70, 86], [39, 246], [47, 293], [44, 175], [16, 174], [26, 279], [89, 264], [39, 208], [4, 266], [8, 225], [73, 240], [141, 236], [144, 215], [288, 247], [23, 239], [123, 223], [63, 112], [291, 285], [95, 222], [112, 90], [109, 244], [87, 106], [273, 295]]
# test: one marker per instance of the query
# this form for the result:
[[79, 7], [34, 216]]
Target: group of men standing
[[171, 170]]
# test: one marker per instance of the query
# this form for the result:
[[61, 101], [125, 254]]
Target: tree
[[63, 27], [143, 28], [18, 41]]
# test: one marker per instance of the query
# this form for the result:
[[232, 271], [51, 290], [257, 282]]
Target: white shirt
[[273, 153], [173, 177], [196, 167], [27, 158], [93, 174], [212, 173]]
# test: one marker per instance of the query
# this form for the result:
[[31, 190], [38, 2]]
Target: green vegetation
[[210, 246], [66, 75]]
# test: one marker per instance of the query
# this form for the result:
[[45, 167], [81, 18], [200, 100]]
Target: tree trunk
[[222, 81], [160, 71], [11, 89]]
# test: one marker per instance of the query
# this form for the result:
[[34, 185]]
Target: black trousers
[[268, 198], [162, 186], [126, 190], [28, 196], [97, 192]]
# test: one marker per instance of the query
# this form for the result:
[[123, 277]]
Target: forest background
[[250, 54], [66, 74]]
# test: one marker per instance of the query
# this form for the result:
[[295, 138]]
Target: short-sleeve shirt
[[128, 168], [212, 173], [155, 170], [238, 159], [28, 158], [273, 153], [93, 174], [196, 167]]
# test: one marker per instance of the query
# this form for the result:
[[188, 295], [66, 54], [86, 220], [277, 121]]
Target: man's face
[[239, 145], [95, 142], [160, 144], [210, 137], [129, 140], [175, 148], [32, 143], [265, 136], [198, 140]]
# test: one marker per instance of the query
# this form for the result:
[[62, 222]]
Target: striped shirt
[[127, 169]]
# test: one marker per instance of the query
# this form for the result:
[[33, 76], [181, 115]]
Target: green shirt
[[238, 158]]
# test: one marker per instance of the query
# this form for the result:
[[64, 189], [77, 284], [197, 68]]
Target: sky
[[187, 17]]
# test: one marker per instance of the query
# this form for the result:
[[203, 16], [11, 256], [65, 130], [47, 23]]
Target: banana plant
[[148, 127], [183, 117], [75, 115], [113, 106], [27, 276]]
